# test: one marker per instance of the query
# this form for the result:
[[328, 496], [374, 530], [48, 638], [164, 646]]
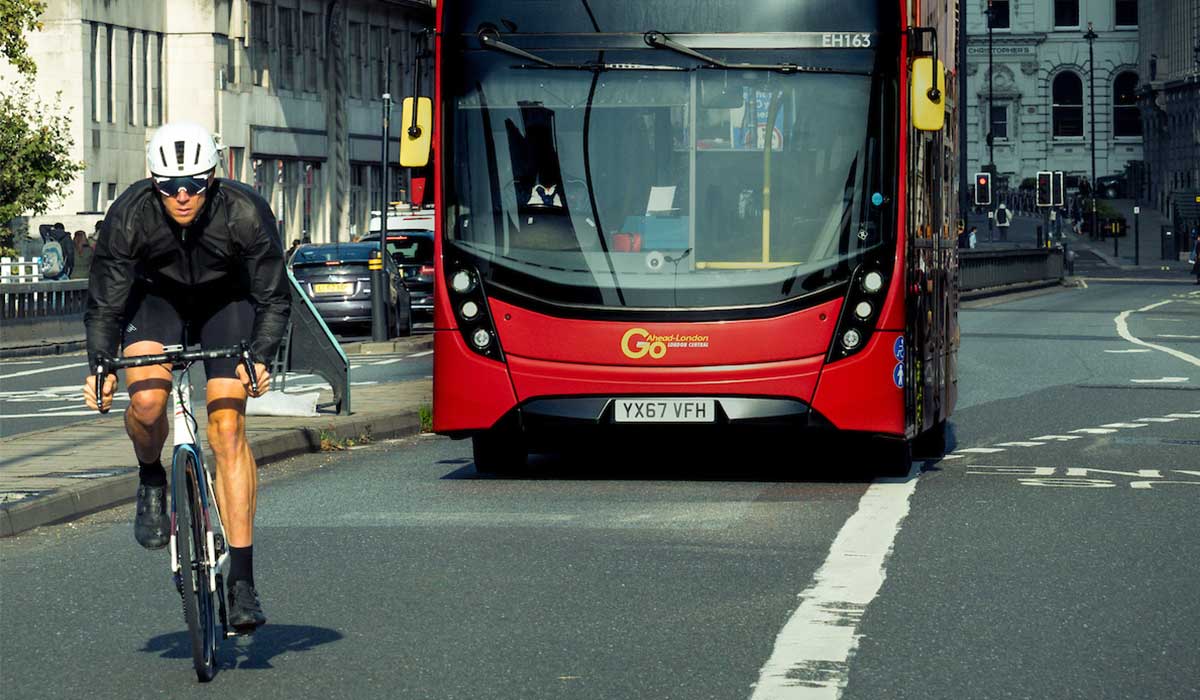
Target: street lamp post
[[990, 140], [1091, 37]]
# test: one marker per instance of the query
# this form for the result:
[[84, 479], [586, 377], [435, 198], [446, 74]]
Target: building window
[[131, 78], [158, 78], [399, 59], [1067, 95], [144, 96], [94, 56], [260, 42], [1000, 122], [310, 39], [355, 62], [1126, 12], [287, 48], [378, 70], [306, 215], [1126, 119], [1066, 14], [1000, 19], [109, 73]]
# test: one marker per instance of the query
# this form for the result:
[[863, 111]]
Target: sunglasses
[[170, 186]]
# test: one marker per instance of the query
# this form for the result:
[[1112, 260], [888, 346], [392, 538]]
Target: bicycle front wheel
[[190, 539]]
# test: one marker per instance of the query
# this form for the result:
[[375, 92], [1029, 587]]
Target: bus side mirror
[[928, 100], [416, 133]]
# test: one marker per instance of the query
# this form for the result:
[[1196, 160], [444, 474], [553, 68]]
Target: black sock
[[241, 564], [152, 474]]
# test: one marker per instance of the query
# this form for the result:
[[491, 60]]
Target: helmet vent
[[196, 160], [163, 155], [179, 153]]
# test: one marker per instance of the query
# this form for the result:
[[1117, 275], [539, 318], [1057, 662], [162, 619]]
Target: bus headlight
[[863, 310], [462, 282], [851, 339], [872, 282], [469, 310], [482, 338]]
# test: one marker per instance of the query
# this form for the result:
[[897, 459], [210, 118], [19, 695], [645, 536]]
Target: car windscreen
[[323, 255]]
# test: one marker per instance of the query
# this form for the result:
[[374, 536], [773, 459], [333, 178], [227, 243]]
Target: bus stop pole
[[379, 281], [1137, 234]]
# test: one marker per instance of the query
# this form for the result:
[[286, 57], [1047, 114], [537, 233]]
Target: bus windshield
[[672, 184]]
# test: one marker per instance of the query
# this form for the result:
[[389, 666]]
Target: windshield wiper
[[489, 38], [658, 40]]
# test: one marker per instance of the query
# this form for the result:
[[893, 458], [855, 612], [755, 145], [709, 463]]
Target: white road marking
[[979, 450], [1194, 414], [421, 354], [1020, 443], [87, 412], [28, 372], [1123, 425], [1095, 431], [1187, 337], [1124, 352], [1160, 380], [1157, 420], [812, 651], [1123, 330], [392, 361], [1058, 438]]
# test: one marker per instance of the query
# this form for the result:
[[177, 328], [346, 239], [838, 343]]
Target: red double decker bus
[[700, 214]]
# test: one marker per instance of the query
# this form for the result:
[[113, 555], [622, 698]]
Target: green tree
[[35, 141]]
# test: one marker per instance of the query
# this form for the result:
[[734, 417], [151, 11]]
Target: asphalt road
[[38, 393], [1053, 554]]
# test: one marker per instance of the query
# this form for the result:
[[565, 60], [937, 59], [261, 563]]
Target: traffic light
[[983, 188], [1060, 190], [1045, 188]]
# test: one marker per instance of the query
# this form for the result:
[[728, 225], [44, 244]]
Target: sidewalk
[[62, 474]]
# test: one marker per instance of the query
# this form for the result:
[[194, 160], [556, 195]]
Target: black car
[[413, 252], [337, 279]]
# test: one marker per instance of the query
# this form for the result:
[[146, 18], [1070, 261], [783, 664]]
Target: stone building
[[1041, 87], [292, 87], [1169, 98]]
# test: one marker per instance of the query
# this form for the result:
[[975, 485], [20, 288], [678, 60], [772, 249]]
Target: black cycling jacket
[[231, 250]]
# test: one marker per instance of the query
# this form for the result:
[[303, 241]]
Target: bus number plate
[[665, 411]]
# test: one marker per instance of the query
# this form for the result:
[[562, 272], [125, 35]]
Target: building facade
[[293, 88], [1038, 93], [1169, 99]]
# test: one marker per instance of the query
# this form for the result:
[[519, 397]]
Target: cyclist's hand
[[261, 374], [89, 392]]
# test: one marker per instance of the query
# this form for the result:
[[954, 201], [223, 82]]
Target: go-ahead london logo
[[638, 343]]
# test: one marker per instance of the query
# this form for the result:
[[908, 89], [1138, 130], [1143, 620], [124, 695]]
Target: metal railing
[[980, 269], [35, 300]]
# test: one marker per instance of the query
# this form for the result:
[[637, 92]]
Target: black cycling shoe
[[245, 612], [151, 525]]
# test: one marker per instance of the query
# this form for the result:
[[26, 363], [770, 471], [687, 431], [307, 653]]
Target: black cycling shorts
[[217, 323]]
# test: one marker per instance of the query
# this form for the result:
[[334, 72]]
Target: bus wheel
[[893, 457], [500, 452], [932, 442]]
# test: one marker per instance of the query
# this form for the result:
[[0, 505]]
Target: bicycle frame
[[184, 434]]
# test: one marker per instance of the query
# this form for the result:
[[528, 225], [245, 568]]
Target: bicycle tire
[[193, 570]]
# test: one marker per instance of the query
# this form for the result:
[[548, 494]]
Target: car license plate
[[333, 288], [666, 411]]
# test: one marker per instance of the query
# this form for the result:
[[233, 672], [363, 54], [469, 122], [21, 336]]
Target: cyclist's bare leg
[[146, 418], [237, 474]]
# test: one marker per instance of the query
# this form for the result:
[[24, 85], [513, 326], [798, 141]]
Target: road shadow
[[247, 652], [819, 457]]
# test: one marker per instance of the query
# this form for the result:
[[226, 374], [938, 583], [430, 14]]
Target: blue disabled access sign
[[898, 349]]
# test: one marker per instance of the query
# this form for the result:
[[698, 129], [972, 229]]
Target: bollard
[[1039, 236]]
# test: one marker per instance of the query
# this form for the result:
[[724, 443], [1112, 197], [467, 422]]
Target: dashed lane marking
[[1127, 352], [42, 370], [1105, 429], [421, 354], [1160, 380], [811, 657]]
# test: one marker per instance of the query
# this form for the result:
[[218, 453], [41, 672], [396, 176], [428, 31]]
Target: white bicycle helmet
[[181, 149]]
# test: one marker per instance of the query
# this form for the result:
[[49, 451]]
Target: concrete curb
[[55, 347], [79, 500], [371, 347], [986, 292]]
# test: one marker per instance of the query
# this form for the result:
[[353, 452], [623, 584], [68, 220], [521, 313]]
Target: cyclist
[[185, 248]]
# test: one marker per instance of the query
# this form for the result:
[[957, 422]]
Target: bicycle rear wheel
[[190, 538]]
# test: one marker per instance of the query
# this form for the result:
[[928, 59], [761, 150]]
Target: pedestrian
[[83, 256], [972, 238], [1196, 258], [291, 251]]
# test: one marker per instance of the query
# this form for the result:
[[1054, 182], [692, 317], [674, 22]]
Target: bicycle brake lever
[[101, 375], [249, 365]]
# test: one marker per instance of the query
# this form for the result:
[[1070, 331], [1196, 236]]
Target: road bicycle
[[199, 556]]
